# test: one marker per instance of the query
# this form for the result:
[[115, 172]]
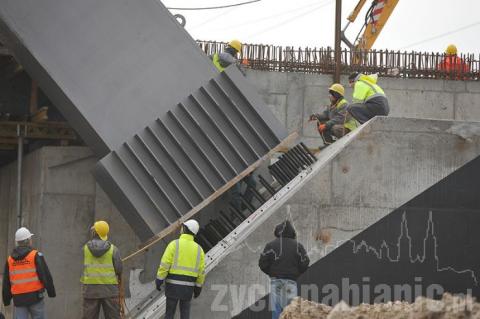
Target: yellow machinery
[[375, 19]]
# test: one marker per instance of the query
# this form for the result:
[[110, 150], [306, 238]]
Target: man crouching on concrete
[[284, 260]]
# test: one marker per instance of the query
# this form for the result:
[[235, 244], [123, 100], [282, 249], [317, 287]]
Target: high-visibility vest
[[23, 275], [365, 90], [350, 123], [98, 270], [183, 257], [216, 62]]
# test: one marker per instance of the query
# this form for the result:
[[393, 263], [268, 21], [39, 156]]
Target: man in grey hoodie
[[101, 276]]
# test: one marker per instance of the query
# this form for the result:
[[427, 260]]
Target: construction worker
[[102, 273], [223, 59], [26, 277], [183, 269], [369, 100], [283, 260], [453, 64], [335, 120]]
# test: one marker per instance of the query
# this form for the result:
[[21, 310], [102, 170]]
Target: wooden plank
[[7, 147], [34, 99], [158, 237]]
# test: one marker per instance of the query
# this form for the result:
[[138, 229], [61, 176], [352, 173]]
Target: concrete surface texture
[[389, 162], [397, 158], [294, 96]]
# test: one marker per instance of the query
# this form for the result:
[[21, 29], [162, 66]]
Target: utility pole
[[338, 35]]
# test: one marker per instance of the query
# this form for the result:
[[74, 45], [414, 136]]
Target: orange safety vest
[[23, 274], [454, 64]]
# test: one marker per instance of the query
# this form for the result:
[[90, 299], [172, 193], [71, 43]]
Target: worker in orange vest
[[26, 277], [452, 64]]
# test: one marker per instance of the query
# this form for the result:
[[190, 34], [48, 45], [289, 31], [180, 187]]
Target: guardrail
[[384, 62]]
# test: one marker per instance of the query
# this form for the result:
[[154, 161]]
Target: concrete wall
[[60, 203], [294, 96], [61, 199], [357, 181]]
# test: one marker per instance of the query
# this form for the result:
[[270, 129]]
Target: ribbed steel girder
[[187, 154], [117, 70], [110, 66]]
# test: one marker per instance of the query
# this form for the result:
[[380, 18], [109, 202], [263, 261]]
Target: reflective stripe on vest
[[180, 282], [175, 265], [376, 93], [99, 270], [216, 62], [23, 274]]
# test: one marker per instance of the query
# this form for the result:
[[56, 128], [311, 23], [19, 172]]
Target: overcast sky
[[421, 25]]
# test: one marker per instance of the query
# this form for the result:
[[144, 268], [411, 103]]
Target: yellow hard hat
[[237, 45], [101, 228], [337, 87], [451, 50]]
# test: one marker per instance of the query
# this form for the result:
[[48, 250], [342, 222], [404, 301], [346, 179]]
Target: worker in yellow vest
[[223, 59], [102, 271], [25, 278], [335, 121], [182, 268], [368, 99]]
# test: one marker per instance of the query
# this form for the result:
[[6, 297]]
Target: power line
[[280, 14], [284, 22], [217, 7], [212, 19], [442, 35]]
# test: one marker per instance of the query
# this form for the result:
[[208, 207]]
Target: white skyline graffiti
[[430, 231]]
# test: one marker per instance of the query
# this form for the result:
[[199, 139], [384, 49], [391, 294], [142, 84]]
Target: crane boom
[[356, 11], [375, 19]]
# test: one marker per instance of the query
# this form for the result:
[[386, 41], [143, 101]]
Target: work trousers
[[362, 112], [110, 306], [282, 291], [172, 307], [35, 311], [338, 130]]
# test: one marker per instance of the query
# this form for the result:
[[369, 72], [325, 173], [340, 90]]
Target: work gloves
[[196, 291], [158, 284], [322, 128]]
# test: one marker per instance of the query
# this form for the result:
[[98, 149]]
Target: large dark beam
[[109, 66]]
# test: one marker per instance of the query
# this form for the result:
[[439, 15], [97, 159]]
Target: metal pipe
[[19, 175], [338, 40]]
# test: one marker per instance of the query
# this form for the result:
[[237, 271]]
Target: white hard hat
[[192, 226], [22, 234]]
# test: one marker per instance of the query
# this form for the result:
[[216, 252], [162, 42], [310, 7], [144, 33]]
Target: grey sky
[[311, 23]]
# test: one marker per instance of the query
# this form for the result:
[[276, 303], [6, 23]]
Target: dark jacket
[[98, 248], [31, 298], [335, 114], [284, 257]]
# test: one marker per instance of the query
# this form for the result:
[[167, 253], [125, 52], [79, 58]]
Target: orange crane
[[375, 19]]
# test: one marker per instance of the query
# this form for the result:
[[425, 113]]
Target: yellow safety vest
[[183, 257], [350, 122], [216, 62], [365, 89], [98, 270]]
